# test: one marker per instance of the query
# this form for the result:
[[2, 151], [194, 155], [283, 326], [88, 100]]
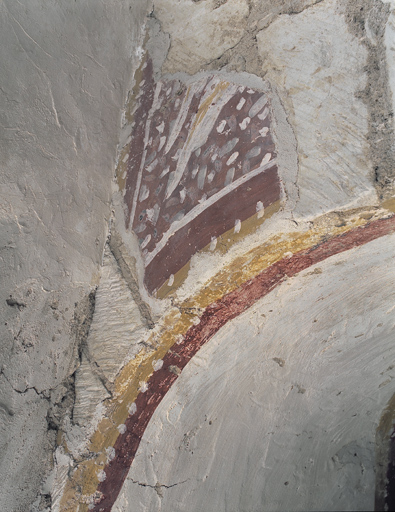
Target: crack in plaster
[[248, 58], [158, 486], [41, 394]]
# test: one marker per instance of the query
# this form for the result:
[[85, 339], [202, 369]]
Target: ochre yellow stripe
[[84, 481], [203, 108], [224, 242]]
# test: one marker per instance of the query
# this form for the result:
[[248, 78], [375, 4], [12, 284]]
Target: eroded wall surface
[[231, 346], [65, 73]]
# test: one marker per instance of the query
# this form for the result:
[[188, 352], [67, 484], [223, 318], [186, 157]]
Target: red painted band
[[218, 218], [214, 317]]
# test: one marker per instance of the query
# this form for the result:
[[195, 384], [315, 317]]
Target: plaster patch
[[199, 33], [304, 56]]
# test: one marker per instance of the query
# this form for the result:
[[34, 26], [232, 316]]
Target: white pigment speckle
[[232, 158], [164, 172], [213, 243], [264, 114], [157, 365], [221, 126], [260, 210], [161, 127], [110, 452], [240, 104], [101, 475], [146, 241], [122, 428], [264, 131], [143, 386], [132, 409], [243, 125]]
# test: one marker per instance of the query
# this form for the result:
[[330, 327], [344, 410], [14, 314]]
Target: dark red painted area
[[156, 184], [214, 317], [218, 218], [207, 170], [138, 131]]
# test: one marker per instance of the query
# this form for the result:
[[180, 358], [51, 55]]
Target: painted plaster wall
[[284, 410], [324, 70], [116, 373]]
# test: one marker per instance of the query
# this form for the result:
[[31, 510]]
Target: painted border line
[[215, 316]]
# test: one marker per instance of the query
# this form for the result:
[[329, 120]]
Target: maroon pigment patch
[[202, 160]]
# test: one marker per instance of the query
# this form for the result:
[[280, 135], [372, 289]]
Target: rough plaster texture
[[284, 411], [318, 67], [200, 31], [65, 71], [390, 53], [116, 322], [115, 335], [278, 411]]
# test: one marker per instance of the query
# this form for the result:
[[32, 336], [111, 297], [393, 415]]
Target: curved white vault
[[279, 410]]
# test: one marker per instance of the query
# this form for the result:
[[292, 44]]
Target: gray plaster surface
[[279, 410], [65, 71], [200, 32]]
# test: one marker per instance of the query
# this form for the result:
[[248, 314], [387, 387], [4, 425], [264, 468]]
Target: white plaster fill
[[389, 38], [318, 78], [191, 23]]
